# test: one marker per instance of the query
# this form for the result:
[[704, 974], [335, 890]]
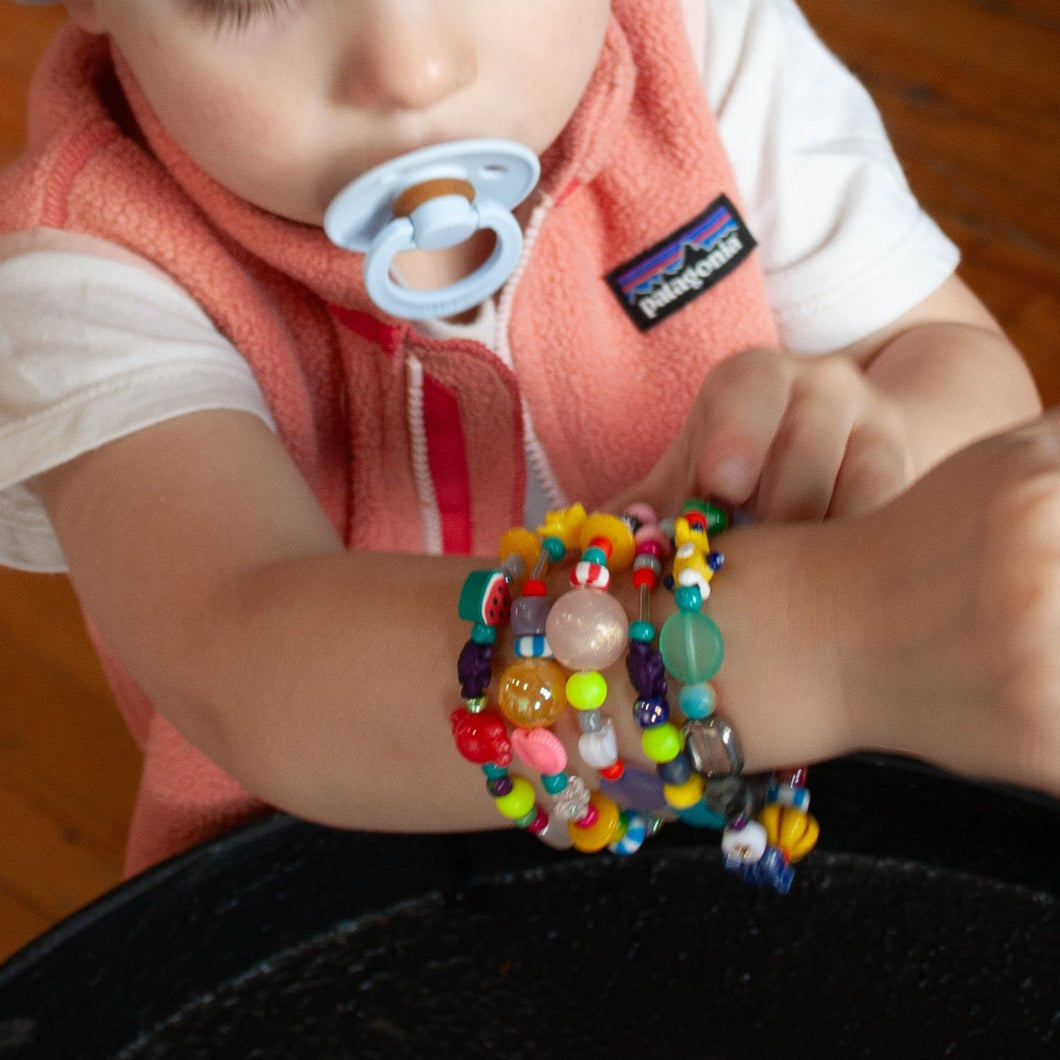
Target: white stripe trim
[[421, 467]]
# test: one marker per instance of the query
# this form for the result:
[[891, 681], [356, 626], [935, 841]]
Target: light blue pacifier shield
[[361, 218]]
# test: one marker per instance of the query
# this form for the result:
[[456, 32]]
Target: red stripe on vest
[[388, 337], [447, 460]]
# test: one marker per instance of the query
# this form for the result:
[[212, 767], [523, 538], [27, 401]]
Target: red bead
[[481, 738], [645, 576], [613, 771], [539, 823], [534, 587], [592, 815], [603, 544]]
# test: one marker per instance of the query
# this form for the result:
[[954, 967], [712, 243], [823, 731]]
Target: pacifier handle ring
[[469, 291]]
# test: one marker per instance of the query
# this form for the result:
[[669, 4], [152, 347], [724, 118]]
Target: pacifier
[[432, 199]]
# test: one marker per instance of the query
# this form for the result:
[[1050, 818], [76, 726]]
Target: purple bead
[[498, 786], [529, 614], [475, 668], [635, 790], [647, 672]]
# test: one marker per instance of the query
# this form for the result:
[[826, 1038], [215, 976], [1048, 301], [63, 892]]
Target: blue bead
[[642, 631], [698, 700], [649, 711], [532, 646], [715, 560], [688, 598], [676, 771]]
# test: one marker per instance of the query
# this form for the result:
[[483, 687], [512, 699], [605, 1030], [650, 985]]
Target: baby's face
[[285, 101]]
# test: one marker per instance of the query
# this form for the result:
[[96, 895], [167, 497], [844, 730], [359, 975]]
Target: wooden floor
[[970, 90]]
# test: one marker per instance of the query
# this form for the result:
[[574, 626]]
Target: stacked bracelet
[[561, 649]]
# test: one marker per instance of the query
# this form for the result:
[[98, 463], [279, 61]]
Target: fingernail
[[732, 479]]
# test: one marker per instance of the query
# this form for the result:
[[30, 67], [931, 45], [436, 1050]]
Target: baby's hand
[[951, 596], [798, 437]]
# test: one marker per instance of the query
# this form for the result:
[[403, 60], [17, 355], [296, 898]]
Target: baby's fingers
[[734, 423]]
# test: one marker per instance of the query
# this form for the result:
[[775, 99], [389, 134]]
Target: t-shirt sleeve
[[92, 350], [844, 245]]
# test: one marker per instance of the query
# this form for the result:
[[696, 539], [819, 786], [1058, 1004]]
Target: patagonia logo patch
[[669, 275]]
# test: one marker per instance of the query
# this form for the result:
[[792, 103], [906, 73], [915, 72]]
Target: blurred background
[[970, 92]]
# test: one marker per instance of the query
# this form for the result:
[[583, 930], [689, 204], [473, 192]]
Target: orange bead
[[602, 831]]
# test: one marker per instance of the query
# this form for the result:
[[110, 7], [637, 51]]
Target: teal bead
[[493, 771], [692, 647], [642, 631], [688, 597], [554, 783], [702, 816], [595, 555], [555, 548], [483, 634], [697, 701]]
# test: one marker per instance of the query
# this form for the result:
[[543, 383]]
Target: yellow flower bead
[[586, 689], [685, 796], [792, 830], [564, 523], [520, 542], [519, 801], [617, 531], [602, 831], [662, 742]]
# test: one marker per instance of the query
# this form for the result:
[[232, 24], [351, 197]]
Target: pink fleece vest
[[410, 443]]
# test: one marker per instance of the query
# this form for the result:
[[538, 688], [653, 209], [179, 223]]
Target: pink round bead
[[587, 629]]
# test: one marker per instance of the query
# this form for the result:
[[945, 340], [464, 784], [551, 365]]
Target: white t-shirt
[[95, 347]]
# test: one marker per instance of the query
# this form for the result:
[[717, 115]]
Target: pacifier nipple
[[433, 199]]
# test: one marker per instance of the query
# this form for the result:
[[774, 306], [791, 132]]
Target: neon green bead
[[586, 689], [661, 743], [519, 801]]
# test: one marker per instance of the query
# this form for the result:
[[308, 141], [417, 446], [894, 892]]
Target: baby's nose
[[407, 57]]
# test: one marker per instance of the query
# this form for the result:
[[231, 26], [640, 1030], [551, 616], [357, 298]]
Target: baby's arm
[[323, 680], [841, 433], [320, 679]]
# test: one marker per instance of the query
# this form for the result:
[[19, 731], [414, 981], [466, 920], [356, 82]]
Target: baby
[[266, 488]]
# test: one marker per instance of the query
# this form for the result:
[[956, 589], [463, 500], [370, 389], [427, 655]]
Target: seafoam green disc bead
[[692, 647], [519, 801], [661, 743], [586, 689]]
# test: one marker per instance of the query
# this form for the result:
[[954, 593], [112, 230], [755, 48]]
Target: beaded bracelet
[[586, 630], [765, 820]]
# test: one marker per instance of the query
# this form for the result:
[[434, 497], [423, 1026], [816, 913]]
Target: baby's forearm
[[953, 383]]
